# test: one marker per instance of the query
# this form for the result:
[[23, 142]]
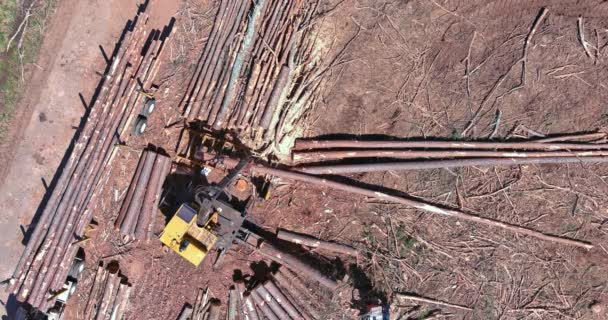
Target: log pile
[[245, 76], [281, 256], [283, 296], [109, 296], [324, 157], [55, 240], [203, 308], [138, 211]]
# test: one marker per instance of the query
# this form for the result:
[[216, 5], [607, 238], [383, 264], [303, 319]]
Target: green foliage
[[425, 314], [11, 61], [9, 12], [406, 241]]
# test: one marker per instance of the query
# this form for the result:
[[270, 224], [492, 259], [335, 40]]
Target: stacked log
[[433, 154], [204, 308], [289, 260], [244, 72], [54, 242], [138, 212], [109, 295], [277, 298]]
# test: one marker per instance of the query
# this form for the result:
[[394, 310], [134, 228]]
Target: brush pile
[[55, 240], [137, 214], [109, 296], [255, 67]]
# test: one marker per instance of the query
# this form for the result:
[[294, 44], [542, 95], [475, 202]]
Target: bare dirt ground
[[417, 69]]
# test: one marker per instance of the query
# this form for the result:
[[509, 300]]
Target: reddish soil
[[421, 69], [415, 69]]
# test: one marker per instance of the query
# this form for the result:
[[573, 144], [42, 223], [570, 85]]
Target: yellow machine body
[[186, 238]]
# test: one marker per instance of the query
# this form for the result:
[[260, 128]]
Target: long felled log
[[53, 245], [418, 204], [96, 291], [122, 302], [242, 56], [128, 225], [252, 313], [295, 288], [118, 113], [424, 206], [245, 302], [233, 311], [210, 81], [318, 156], [263, 306], [215, 50], [142, 230], [315, 243], [109, 293], [192, 90], [129, 196], [294, 262], [43, 269], [140, 204], [274, 305], [523, 145], [283, 301], [439, 164], [275, 94]]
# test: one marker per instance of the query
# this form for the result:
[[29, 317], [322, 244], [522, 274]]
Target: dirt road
[[53, 103]]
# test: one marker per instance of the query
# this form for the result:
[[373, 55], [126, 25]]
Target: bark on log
[[64, 213], [129, 196], [124, 292], [318, 156], [241, 57], [275, 94], [165, 172], [233, 311], [108, 292], [142, 229], [192, 91], [249, 305], [185, 314], [419, 205], [316, 243], [96, 292], [443, 164], [223, 65], [214, 310], [299, 294], [569, 137], [213, 71], [245, 302], [272, 303], [294, 262], [523, 145], [49, 212], [282, 300], [263, 306], [128, 226]]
